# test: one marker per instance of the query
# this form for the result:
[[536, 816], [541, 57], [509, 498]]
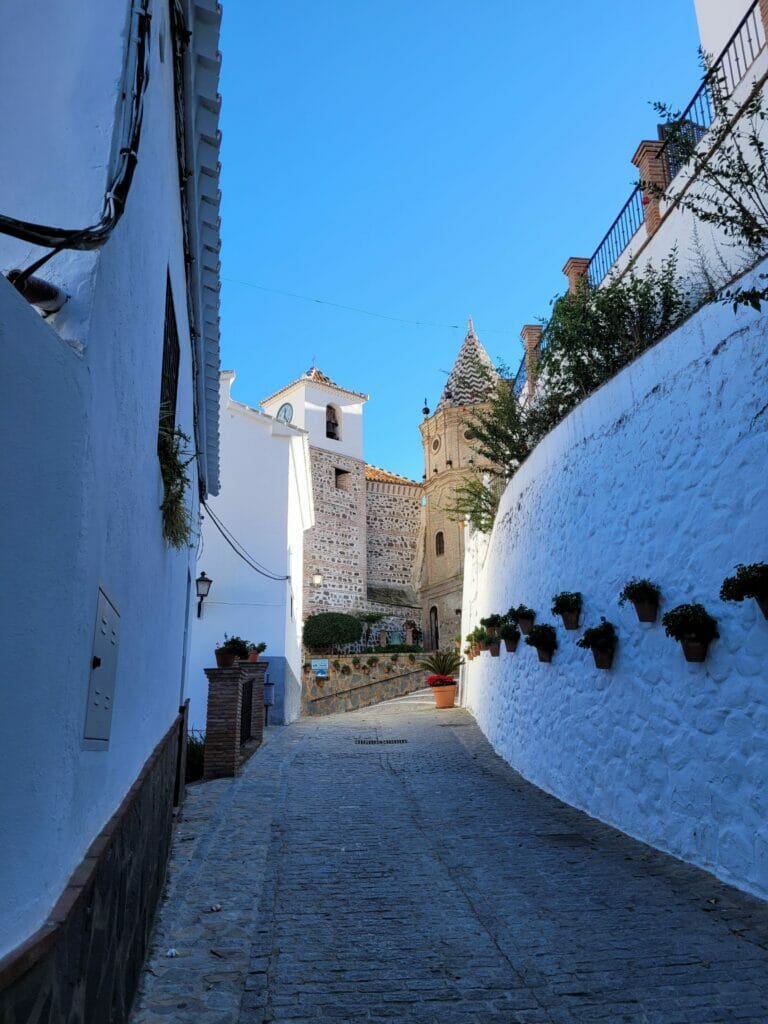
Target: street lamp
[[203, 585], [317, 578]]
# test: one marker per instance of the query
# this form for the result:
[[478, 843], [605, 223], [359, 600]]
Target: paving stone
[[427, 882]]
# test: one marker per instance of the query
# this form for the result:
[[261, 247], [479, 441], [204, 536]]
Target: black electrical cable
[[240, 550], [119, 181]]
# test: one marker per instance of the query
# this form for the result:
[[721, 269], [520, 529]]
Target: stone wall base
[[84, 963]]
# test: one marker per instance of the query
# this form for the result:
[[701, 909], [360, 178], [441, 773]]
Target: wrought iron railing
[[726, 73], [521, 378], [246, 710]]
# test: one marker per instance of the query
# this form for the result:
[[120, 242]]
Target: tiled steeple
[[467, 382]]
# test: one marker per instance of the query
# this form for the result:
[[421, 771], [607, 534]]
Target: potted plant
[[494, 646], [645, 596], [233, 648], [568, 605], [482, 639], [372, 662], [412, 658], [522, 617], [491, 624], [355, 663], [510, 634], [394, 658], [442, 667], [468, 653], [544, 639], [694, 627], [345, 669], [254, 650], [749, 581], [336, 665], [306, 666], [601, 640]]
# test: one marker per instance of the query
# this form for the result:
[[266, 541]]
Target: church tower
[[449, 459], [335, 569]]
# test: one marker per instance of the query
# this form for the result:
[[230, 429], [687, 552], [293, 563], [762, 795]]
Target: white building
[[108, 109], [265, 505]]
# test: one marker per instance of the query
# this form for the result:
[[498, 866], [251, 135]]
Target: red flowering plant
[[442, 666]]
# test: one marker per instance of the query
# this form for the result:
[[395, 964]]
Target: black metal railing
[[726, 73], [246, 710], [521, 378]]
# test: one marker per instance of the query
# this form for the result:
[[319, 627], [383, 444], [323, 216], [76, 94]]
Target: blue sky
[[423, 160]]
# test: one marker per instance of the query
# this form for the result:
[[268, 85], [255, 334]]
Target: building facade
[[265, 505], [449, 460], [113, 116]]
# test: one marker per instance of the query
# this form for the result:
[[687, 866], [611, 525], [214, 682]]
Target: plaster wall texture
[[265, 502], [83, 488], [309, 401], [717, 22], [660, 473]]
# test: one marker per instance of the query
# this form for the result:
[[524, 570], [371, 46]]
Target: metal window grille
[[169, 381]]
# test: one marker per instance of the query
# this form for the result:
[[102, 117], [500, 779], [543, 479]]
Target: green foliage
[[442, 663], [521, 612], [492, 621], [195, 755], [329, 629], [356, 663], [477, 501], [336, 665], [237, 645], [257, 648], [508, 631], [482, 636], [174, 457], [566, 601], [729, 176], [749, 581], [398, 649], [690, 622], [599, 638], [640, 590], [345, 670], [371, 662], [543, 636], [498, 429]]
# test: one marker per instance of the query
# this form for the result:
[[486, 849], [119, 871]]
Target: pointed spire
[[470, 328], [468, 381]]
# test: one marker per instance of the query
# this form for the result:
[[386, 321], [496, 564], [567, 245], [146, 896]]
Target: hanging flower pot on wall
[[494, 647], [694, 627], [522, 617], [544, 639], [568, 606], [601, 640], [749, 581], [645, 596], [510, 634]]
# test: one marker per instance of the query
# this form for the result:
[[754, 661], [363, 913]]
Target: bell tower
[[449, 459]]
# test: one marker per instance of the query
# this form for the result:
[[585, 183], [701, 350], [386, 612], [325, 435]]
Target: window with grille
[[169, 381], [439, 543]]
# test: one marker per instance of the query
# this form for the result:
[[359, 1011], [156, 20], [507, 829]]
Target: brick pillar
[[652, 169], [222, 730], [575, 268], [256, 671], [531, 335]]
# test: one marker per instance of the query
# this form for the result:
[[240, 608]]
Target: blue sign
[[320, 667]]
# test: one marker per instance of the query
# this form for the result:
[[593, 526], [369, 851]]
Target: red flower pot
[[253, 656], [524, 624], [224, 657], [647, 611], [544, 655], [603, 658], [695, 650], [492, 631], [511, 645], [494, 647]]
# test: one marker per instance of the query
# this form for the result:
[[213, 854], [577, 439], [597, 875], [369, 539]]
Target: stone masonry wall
[[363, 685], [392, 513], [659, 474], [336, 545]]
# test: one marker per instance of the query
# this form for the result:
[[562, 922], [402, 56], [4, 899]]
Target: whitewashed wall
[[79, 419], [309, 401], [661, 473], [717, 22], [265, 502]]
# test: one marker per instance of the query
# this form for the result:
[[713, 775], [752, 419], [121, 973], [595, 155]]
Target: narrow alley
[[386, 865]]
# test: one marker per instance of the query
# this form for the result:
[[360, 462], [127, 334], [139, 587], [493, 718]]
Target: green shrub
[[599, 638], [543, 636], [521, 612], [749, 581], [442, 663], [690, 622], [492, 621], [175, 456], [330, 629], [237, 645], [195, 753], [640, 590], [508, 631], [567, 601]]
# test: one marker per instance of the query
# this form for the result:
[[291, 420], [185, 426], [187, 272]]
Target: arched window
[[332, 423], [439, 543]]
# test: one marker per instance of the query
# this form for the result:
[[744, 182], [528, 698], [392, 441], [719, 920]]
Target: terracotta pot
[[545, 656], [445, 696], [511, 645], [603, 658], [494, 647], [224, 657], [524, 624], [570, 619], [253, 656], [484, 647], [694, 650], [762, 604], [647, 611]]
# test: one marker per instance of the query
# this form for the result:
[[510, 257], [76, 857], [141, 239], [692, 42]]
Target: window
[[343, 479], [332, 423], [434, 629], [439, 543], [169, 381], [436, 445]]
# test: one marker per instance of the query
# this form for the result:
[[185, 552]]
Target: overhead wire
[[240, 551]]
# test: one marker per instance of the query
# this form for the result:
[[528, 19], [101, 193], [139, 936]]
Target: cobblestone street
[[415, 877]]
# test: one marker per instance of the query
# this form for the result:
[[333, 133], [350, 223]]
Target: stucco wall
[[661, 473], [82, 485]]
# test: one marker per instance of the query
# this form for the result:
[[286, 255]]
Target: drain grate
[[368, 742]]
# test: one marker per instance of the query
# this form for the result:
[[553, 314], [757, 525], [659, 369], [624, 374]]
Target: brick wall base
[[84, 963]]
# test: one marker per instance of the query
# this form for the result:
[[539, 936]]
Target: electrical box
[[101, 685]]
